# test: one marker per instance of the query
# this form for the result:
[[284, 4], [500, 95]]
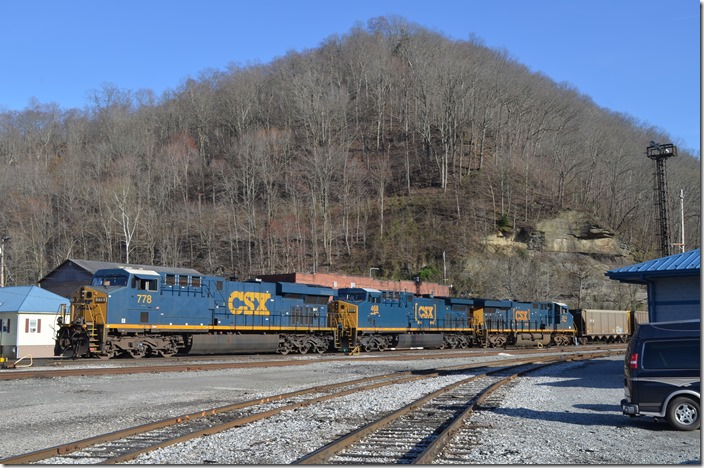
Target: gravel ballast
[[567, 414]]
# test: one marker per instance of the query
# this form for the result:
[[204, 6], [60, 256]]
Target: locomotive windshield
[[109, 280]]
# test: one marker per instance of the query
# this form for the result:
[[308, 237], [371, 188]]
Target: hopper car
[[606, 326]]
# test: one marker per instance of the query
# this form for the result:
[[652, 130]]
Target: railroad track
[[127, 444], [50, 368], [430, 430]]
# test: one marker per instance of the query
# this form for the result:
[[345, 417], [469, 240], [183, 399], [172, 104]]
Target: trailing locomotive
[[136, 312], [500, 323], [385, 319], [375, 320]]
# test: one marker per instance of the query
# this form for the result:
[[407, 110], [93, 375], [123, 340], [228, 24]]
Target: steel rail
[[384, 379], [144, 366], [323, 454]]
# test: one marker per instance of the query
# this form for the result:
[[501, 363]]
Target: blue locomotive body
[[516, 323], [388, 319], [391, 319], [143, 312]]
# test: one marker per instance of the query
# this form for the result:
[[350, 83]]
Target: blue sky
[[637, 57]]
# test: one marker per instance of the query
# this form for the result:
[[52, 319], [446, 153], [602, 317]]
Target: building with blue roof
[[28, 316], [673, 283]]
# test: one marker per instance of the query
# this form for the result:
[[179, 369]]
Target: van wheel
[[683, 414]]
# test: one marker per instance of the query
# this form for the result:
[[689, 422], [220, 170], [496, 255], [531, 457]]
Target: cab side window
[[144, 284]]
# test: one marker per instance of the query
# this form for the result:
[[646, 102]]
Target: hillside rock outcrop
[[569, 232]]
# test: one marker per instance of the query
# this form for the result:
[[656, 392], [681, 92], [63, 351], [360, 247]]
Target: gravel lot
[[564, 415]]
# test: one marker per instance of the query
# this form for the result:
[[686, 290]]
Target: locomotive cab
[[114, 297]]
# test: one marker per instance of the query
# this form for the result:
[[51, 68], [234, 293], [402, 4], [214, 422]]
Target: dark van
[[663, 373]]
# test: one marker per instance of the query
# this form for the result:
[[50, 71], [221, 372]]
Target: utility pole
[[680, 244], [2, 260], [660, 154]]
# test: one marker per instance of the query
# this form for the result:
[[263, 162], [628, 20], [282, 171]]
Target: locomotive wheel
[[562, 340], [285, 346], [497, 341], [139, 350]]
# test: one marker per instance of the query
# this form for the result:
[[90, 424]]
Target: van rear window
[[681, 354]]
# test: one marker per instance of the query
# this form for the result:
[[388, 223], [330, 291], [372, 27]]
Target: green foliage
[[504, 224], [430, 273]]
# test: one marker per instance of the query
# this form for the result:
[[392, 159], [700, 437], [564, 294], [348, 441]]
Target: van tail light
[[634, 361]]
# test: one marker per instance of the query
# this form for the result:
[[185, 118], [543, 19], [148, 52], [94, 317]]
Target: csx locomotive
[[137, 312], [140, 312], [387, 319]]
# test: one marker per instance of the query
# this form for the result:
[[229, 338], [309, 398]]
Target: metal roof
[[93, 266], [30, 299], [683, 264]]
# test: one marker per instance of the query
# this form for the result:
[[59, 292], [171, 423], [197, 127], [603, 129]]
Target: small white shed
[[28, 316]]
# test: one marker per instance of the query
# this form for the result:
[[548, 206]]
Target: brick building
[[337, 281]]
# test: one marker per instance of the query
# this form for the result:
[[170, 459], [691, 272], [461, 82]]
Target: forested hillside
[[390, 146]]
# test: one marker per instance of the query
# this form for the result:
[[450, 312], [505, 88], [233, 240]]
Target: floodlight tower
[[660, 154]]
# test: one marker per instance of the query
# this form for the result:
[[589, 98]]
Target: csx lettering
[[522, 316], [248, 303], [426, 312]]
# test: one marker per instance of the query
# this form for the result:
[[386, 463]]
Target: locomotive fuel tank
[[419, 340], [233, 344]]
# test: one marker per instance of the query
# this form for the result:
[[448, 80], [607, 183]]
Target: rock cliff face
[[575, 232], [563, 259], [570, 232]]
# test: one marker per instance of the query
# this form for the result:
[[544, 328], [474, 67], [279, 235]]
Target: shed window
[[170, 280], [33, 326], [183, 280], [195, 281]]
